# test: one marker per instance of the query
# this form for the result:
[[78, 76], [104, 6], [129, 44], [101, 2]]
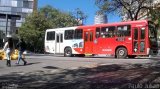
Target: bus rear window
[[51, 35]]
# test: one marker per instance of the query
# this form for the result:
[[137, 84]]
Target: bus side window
[[91, 36], [57, 40], [97, 32], [135, 34], [61, 40], [142, 33], [104, 31], [111, 31], [68, 34], [86, 36], [123, 30], [51, 35], [108, 32], [78, 34]]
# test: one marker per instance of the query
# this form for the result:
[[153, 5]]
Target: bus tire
[[121, 52], [67, 52]]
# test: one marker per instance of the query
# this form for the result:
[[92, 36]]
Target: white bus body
[[56, 43]]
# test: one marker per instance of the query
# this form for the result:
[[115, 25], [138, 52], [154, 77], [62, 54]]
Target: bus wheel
[[121, 52], [67, 52]]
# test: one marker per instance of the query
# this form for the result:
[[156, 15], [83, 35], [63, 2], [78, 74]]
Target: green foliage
[[33, 30], [131, 8], [155, 16], [80, 16], [58, 18]]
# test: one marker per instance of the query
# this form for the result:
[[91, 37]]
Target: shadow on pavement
[[128, 76], [50, 67], [21, 64], [34, 54], [33, 63]]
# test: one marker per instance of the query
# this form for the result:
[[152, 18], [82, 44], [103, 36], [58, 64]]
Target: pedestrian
[[9, 48], [21, 45]]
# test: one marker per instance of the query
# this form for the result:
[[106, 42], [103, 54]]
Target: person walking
[[21, 48], [9, 48]]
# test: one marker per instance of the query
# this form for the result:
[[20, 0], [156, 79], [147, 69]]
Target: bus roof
[[104, 24], [116, 23], [65, 28]]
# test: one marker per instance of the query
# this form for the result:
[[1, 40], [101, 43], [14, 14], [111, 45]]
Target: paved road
[[46, 62], [57, 72]]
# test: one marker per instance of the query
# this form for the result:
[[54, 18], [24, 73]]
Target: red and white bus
[[122, 39]]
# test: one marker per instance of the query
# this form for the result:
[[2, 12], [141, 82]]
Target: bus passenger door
[[88, 42], [59, 43], [139, 42], [50, 42]]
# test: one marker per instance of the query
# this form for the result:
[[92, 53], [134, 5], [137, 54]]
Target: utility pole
[[6, 23]]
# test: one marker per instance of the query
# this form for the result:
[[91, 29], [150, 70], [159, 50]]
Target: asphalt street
[[58, 72], [41, 62]]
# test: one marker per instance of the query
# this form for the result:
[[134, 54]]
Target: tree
[[131, 8], [33, 30], [155, 16], [58, 18], [80, 16]]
